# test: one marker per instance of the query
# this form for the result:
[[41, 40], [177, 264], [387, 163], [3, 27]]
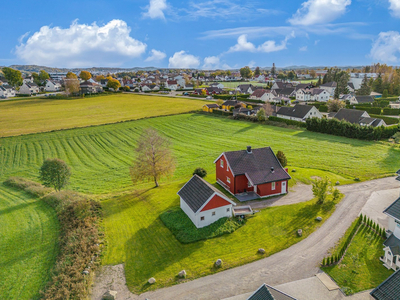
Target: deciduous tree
[[99, 78], [153, 158], [85, 75], [113, 83], [72, 86], [55, 173], [14, 77], [246, 72], [335, 105], [320, 189], [71, 75]]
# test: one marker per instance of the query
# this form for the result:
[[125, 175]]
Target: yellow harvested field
[[41, 115]]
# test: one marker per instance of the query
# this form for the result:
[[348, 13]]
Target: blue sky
[[200, 34]]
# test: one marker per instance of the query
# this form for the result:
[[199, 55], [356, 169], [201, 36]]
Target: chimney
[[272, 169], [248, 149]]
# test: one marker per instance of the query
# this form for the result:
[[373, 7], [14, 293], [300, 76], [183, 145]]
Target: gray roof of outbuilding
[[197, 191], [266, 292], [298, 111], [389, 289], [365, 99], [393, 243], [330, 84], [285, 91], [350, 115], [257, 165], [394, 209]]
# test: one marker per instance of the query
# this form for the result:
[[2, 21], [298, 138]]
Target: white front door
[[283, 187]]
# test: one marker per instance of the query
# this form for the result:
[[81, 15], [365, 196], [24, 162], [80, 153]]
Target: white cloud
[[304, 48], [395, 7], [81, 45], [319, 11], [156, 56], [155, 9], [182, 60], [386, 47], [267, 47], [251, 64], [211, 63]]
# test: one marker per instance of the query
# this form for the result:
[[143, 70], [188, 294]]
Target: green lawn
[[28, 244], [360, 268], [137, 237], [100, 156], [41, 115]]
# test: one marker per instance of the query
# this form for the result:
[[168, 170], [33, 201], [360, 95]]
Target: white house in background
[[299, 112], [203, 203], [52, 86], [28, 79], [261, 78], [6, 91], [330, 87], [218, 85], [28, 89], [263, 95], [171, 84], [314, 94], [391, 247]]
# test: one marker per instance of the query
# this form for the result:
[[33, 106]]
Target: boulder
[[109, 295], [261, 251], [318, 219], [182, 274], [152, 280], [218, 263], [337, 183], [299, 232], [85, 272], [294, 170]]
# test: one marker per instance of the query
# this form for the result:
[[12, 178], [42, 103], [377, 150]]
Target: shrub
[[200, 172], [31, 187], [282, 158], [288, 122], [55, 173]]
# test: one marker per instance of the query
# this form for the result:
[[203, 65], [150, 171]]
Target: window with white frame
[[201, 218], [228, 180], [213, 213], [222, 163], [273, 186], [228, 209], [248, 184]]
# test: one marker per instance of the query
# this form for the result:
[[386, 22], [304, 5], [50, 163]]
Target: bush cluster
[[346, 129], [288, 122], [79, 240], [388, 120], [391, 111]]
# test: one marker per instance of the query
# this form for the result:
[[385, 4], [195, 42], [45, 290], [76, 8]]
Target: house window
[[228, 180], [228, 209], [273, 186], [213, 213], [201, 218], [248, 184], [227, 167], [222, 163]]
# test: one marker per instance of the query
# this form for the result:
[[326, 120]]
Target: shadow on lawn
[[318, 137], [151, 251]]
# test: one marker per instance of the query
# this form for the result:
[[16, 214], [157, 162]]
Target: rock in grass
[[261, 251], [85, 272], [318, 219], [294, 170], [337, 183], [218, 263], [152, 280], [299, 232], [109, 295], [182, 274]]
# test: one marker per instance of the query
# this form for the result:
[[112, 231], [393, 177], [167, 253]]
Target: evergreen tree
[[377, 86], [319, 82], [364, 89], [273, 70], [257, 71]]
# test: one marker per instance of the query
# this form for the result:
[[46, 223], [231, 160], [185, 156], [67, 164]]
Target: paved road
[[300, 261]]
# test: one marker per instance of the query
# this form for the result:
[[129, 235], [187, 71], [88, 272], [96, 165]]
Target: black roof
[[389, 289], [393, 243], [197, 191], [377, 121], [285, 91], [394, 209], [350, 115], [266, 292], [350, 84], [257, 165], [298, 111], [232, 103], [212, 105], [330, 84], [365, 99]]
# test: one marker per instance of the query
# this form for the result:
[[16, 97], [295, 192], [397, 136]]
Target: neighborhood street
[[298, 262]]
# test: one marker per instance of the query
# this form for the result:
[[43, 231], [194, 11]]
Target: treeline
[[347, 129]]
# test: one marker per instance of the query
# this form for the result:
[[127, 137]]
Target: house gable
[[216, 202]]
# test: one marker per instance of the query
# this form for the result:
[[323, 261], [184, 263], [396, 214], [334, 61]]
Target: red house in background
[[251, 174]]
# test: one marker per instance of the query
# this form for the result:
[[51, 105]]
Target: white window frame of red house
[[202, 218], [222, 163], [228, 180], [273, 186]]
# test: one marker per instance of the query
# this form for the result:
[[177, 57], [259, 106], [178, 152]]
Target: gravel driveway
[[300, 261]]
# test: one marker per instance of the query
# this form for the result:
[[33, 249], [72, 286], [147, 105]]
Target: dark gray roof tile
[[266, 292], [394, 209], [389, 289], [298, 111]]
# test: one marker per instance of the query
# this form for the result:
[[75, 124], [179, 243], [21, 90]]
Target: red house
[[250, 174]]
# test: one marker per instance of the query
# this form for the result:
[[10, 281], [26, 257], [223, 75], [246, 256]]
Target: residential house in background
[[29, 89], [246, 89], [7, 91], [227, 105], [330, 87], [52, 86], [252, 173], [359, 117], [362, 100], [171, 84], [210, 107], [314, 94], [299, 112], [88, 87], [203, 203], [263, 95]]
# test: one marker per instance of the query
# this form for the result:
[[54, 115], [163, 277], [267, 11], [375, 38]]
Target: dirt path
[[300, 261]]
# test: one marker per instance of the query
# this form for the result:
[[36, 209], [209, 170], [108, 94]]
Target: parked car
[[208, 97]]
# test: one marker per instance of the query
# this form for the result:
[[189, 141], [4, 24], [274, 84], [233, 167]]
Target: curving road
[[300, 261]]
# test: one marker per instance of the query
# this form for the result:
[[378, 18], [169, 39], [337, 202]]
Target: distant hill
[[35, 68]]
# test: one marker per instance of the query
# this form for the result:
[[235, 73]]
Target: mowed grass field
[[100, 156], [41, 115], [137, 237], [28, 244]]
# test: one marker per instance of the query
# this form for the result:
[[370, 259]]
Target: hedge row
[[222, 112], [346, 129], [391, 111], [79, 240], [288, 122]]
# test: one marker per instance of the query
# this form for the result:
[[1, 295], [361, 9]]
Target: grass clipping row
[[79, 240]]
